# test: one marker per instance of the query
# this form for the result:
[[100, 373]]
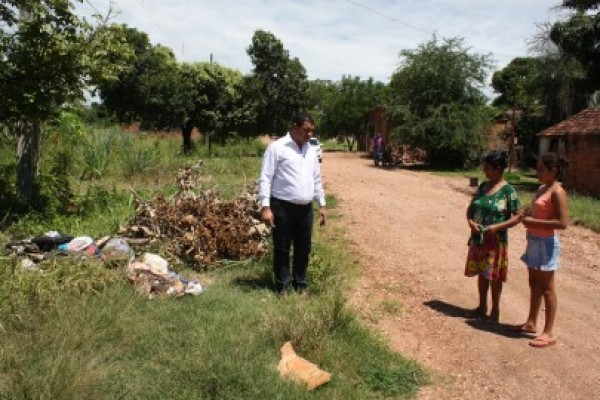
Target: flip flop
[[521, 329], [540, 342]]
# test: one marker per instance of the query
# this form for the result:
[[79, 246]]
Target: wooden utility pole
[[208, 143], [511, 146]]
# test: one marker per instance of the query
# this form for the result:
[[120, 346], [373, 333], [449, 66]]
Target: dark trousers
[[293, 224]]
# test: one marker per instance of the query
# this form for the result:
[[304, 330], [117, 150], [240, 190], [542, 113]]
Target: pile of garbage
[[152, 277], [195, 228], [150, 274], [199, 228]]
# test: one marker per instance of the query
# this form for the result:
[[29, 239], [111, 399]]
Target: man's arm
[[264, 185], [320, 193]]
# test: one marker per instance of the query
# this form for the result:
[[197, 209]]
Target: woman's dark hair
[[300, 118], [551, 161], [497, 159]]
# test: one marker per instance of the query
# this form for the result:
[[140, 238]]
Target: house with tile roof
[[577, 141]]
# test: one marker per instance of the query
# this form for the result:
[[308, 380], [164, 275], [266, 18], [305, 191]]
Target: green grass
[[222, 344], [78, 330], [585, 210], [392, 307], [334, 145]]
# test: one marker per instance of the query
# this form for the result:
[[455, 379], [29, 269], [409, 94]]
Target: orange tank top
[[543, 208]]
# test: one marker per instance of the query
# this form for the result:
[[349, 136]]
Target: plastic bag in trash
[[117, 249], [194, 288], [79, 243], [156, 263]]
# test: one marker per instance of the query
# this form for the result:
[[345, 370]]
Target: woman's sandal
[[540, 342]]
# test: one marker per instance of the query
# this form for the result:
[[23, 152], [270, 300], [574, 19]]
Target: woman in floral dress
[[494, 208]]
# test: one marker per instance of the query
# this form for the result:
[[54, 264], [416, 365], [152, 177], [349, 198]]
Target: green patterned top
[[494, 208]]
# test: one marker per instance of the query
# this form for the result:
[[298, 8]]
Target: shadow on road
[[454, 311], [448, 309]]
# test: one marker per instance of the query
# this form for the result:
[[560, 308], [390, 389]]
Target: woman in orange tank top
[[549, 212]]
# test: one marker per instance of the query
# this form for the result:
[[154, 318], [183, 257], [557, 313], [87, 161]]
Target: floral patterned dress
[[488, 251]]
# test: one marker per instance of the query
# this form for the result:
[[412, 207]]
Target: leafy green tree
[[517, 84], [436, 101], [148, 90], [217, 105], [318, 94], [151, 90], [347, 107], [280, 82], [161, 93], [579, 36], [47, 56], [547, 88]]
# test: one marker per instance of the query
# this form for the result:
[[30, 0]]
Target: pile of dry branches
[[200, 229]]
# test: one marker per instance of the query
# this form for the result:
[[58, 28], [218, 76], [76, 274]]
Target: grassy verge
[[334, 145], [585, 210], [78, 330]]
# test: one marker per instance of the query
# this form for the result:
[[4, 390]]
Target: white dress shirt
[[290, 173]]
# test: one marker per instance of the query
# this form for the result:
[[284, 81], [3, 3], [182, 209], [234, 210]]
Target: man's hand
[[267, 217], [322, 216]]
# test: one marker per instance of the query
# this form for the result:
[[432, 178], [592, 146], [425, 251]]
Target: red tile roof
[[587, 122]]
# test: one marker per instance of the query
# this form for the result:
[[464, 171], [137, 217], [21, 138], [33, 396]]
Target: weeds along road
[[410, 230]]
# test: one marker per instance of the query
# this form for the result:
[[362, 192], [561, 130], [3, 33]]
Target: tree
[[548, 88], [151, 90], [517, 84], [217, 106], [318, 94], [148, 89], [280, 82], [347, 107], [436, 101], [579, 36], [160, 92], [47, 55]]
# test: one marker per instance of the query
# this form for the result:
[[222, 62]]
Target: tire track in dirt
[[410, 230]]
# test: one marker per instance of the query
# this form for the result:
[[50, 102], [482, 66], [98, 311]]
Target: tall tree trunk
[[209, 143], [186, 133], [28, 150]]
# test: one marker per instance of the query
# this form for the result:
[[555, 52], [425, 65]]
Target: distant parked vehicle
[[315, 142]]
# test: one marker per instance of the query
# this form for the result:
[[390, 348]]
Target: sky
[[332, 38]]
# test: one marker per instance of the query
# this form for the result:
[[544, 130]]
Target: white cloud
[[333, 37]]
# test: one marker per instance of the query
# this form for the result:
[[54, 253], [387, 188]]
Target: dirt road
[[410, 230]]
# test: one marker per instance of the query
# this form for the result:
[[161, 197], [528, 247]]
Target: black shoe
[[283, 292]]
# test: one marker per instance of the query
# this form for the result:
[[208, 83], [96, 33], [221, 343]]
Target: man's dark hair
[[300, 118], [551, 161], [497, 159]]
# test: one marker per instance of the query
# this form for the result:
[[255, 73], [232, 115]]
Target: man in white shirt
[[290, 180]]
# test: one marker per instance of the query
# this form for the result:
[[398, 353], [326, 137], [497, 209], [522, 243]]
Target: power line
[[167, 31], [374, 11], [356, 3], [148, 8], [93, 7]]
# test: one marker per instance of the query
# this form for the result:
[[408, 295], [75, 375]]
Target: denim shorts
[[542, 253]]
